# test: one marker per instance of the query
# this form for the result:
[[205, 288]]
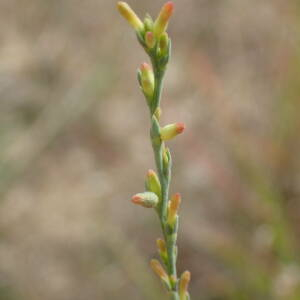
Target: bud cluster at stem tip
[[158, 27]]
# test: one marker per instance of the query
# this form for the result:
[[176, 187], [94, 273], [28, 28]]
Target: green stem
[[159, 76], [175, 296], [164, 177]]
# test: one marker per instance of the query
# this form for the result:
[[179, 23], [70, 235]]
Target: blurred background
[[74, 148]]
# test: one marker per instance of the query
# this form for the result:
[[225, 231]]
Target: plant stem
[[175, 296], [165, 178]]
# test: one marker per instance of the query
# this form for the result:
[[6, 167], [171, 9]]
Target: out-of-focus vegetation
[[73, 137]]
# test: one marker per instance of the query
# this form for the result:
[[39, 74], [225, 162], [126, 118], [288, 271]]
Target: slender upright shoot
[[154, 39]]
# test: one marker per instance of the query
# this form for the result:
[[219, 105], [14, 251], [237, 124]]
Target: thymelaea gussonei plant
[[153, 37]]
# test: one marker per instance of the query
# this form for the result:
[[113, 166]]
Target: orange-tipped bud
[[146, 68], [173, 208], [153, 183], [162, 20], [126, 11], [159, 270], [146, 199], [170, 131], [183, 286], [147, 79], [150, 39]]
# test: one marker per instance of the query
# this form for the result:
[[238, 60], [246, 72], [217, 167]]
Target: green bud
[[164, 44], [153, 183], [173, 281], [157, 113], [155, 132], [162, 250], [148, 23], [147, 80], [166, 161], [139, 76], [165, 154]]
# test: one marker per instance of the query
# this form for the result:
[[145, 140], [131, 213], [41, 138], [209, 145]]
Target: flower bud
[[162, 249], [147, 79], [146, 199], [173, 280], [148, 23], [173, 209], [150, 39], [164, 44], [165, 154], [153, 183], [158, 113], [159, 270], [170, 131], [155, 132], [126, 11], [183, 285], [161, 246], [161, 23]]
